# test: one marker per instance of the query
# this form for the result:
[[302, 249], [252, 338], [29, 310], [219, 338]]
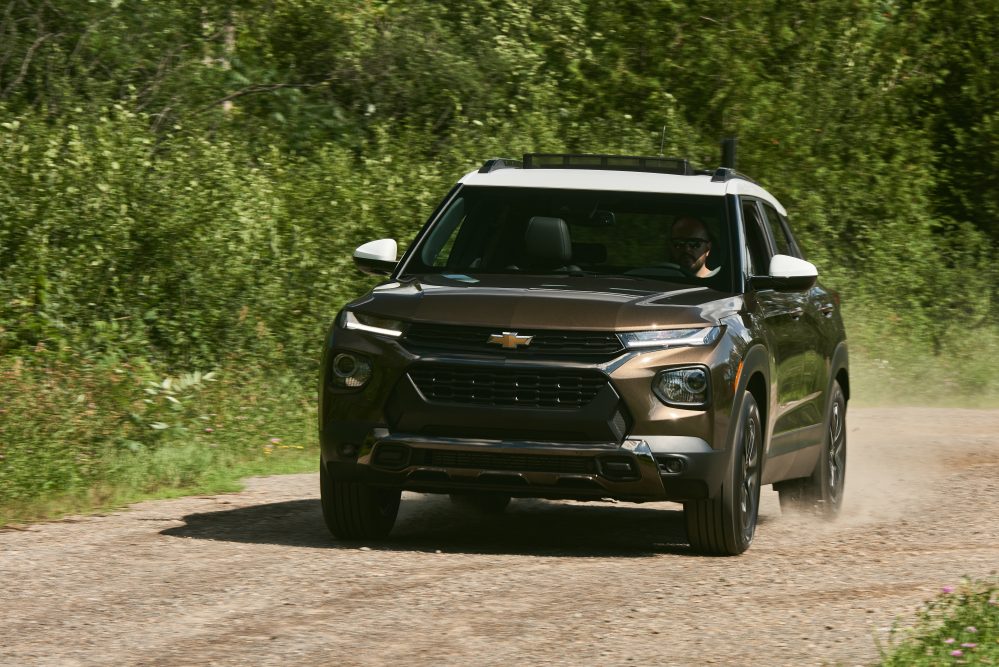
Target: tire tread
[[351, 510]]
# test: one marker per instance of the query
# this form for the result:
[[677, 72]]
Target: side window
[[798, 252], [757, 252], [778, 231]]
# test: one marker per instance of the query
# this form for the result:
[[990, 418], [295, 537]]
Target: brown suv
[[586, 327]]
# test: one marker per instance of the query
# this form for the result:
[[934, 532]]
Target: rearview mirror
[[601, 218], [787, 274], [376, 257]]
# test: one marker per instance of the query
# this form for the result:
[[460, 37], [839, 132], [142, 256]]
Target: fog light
[[350, 371], [671, 465], [683, 387]]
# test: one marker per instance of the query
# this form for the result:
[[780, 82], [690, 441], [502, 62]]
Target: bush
[[959, 627], [79, 434]]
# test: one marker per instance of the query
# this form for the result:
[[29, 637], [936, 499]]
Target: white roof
[[618, 181]]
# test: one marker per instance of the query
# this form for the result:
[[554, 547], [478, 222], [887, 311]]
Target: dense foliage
[[181, 183]]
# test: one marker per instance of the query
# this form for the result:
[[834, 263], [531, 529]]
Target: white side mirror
[[787, 274], [785, 266], [382, 250], [376, 257]]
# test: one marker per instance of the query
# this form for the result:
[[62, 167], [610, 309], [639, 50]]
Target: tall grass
[[894, 365], [80, 434]]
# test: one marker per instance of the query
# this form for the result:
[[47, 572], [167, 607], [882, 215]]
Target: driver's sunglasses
[[690, 244]]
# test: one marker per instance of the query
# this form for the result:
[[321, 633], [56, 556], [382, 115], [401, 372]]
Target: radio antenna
[[728, 152], [662, 142]]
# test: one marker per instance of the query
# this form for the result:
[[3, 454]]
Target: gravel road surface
[[253, 578]]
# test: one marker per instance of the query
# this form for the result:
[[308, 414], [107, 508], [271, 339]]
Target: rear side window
[[777, 231], [757, 251]]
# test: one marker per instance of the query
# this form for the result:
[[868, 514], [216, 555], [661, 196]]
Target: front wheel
[[725, 526], [822, 492], [355, 510]]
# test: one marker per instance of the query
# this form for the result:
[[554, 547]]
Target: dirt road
[[253, 579]]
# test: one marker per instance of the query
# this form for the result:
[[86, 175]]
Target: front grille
[[531, 388], [499, 461], [544, 343]]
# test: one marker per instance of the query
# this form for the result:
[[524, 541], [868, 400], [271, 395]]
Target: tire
[[484, 503], [725, 526], [822, 492], [355, 510]]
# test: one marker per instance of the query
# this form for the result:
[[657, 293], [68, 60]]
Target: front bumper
[[638, 470]]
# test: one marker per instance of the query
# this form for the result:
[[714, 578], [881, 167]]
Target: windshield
[[679, 238]]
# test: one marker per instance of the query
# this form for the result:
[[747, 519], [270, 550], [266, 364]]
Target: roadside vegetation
[[182, 184], [958, 627]]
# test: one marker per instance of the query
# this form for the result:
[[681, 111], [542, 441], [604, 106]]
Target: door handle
[[827, 309], [796, 313]]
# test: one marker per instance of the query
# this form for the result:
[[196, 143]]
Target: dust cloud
[[896, 455]]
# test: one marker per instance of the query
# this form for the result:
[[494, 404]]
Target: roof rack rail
[[724, 174], [659, 165], [495, 163]]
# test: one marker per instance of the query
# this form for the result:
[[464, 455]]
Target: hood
[[594, 303]]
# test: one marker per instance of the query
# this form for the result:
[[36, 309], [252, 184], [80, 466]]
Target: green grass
[[116, 493], [891, 365], [890, 380], [80, 436], [958, 627]]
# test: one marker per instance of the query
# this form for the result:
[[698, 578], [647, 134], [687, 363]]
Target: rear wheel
[[486, 503], [822, 492], [725, 526], [355, 510]]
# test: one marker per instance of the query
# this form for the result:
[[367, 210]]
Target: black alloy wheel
[[726, 525], [749, 482], [822, 492], [835, 453]]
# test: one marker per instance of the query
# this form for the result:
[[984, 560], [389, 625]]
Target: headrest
[[547, 241]]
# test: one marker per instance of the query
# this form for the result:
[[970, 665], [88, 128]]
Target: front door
[[786, 317]]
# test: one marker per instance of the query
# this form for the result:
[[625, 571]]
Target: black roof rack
[[495, 163], [660, 165]]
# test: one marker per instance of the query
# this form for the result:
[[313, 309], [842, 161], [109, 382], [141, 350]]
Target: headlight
[[372, 324], [687, 387], [350, 371], [670, 337]]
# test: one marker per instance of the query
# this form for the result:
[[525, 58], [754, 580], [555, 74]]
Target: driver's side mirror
[[376, 257], [787, 274]]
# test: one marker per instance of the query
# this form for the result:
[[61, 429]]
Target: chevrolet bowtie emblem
[[510, 340]]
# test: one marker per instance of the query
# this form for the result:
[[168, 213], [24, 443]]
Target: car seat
[[547, 245]]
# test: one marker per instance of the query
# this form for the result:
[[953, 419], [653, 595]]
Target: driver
[[690, 245]]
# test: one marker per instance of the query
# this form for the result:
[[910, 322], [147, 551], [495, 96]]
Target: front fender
[[753, 375], [840, 364]]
